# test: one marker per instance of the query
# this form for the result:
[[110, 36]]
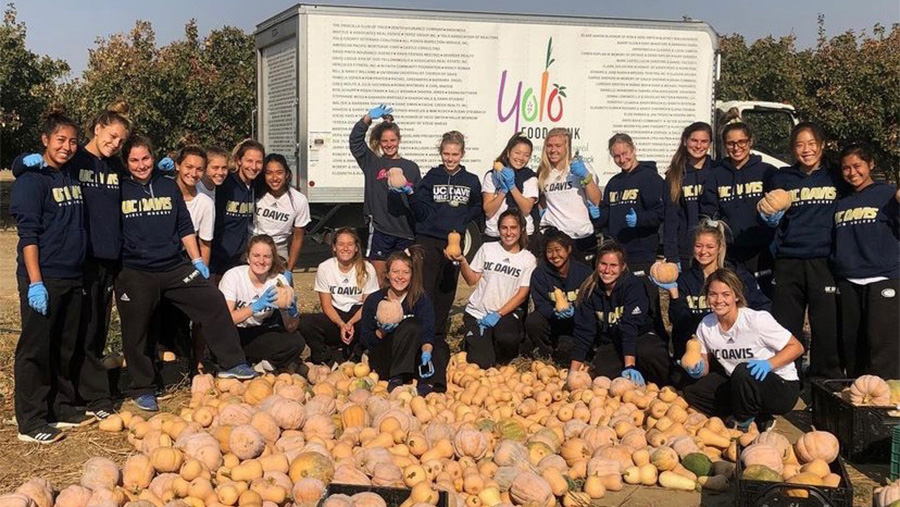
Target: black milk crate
[[864, 432], [774, 494], [393, 497]]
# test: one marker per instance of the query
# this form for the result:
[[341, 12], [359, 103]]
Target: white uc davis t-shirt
[[529, 190], [236, 286], [203, 214], [277, 217], [502, 274], [754, 335], [566, 204], [345, 293]]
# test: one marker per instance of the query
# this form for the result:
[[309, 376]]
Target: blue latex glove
[[379, 111], [426, 357], [594, 211], [633, 375], [38, 297], [200, 266], [568, 313], [773, 219], [33, 160], [679, 266], [292, 310], [509, 178], [290, 276], [578, 168], [166, 165], [489, 320], [405, 189], [388, 328], [759, 368], [695, 372], [265, 301], [665, 286], [631, 218], [541, 212]]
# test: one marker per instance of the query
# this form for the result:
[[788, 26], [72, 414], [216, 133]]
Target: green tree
[[27, 84]]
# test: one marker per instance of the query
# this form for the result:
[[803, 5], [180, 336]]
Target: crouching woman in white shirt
[[250, 291], [747, 367]]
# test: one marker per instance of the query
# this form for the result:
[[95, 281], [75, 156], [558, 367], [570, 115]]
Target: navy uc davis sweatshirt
[[444, 202], [805, 231], [641, 189], [683, 215], [234, 216], [545, 279], [620, 316], [49, 210], [867, 233], [154, 219], [731, 195], [423, 312]]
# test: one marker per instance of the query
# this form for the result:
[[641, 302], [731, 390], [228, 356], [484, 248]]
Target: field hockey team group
[[197, 253]]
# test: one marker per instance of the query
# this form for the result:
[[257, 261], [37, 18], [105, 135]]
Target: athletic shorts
[[382, 245]]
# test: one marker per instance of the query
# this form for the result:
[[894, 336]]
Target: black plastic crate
[[393, 497], [864, 432], [774, 494]]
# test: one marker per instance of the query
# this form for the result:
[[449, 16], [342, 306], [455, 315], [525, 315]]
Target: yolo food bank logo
[[528, 106]]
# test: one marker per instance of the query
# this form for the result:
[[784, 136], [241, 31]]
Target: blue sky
[[66, 29]]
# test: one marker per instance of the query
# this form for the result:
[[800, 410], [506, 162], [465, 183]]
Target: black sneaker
[[394, 383], [42, 435], [100, 413], [75, 420]]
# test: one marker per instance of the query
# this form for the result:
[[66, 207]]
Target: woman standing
[[731, 193], [567, 188], [611, 315], [445, 201], [865, 253], [216, 171], [48, 207], [513, 187], [282, 212], [803, 234], [267, 333], [390, 218], [501, 272], [234, 207], [687, 304], [548, 331], [747, 367], [343, 283], [156, 227], [685, 180]]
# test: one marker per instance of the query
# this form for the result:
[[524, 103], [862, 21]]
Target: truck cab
[[770, 122]]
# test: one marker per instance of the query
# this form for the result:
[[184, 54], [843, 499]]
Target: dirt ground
[[62, 463]]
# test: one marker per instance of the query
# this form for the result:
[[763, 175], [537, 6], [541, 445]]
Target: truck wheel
[[472, 241]]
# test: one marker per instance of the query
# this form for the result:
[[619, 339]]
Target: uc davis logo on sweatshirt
[[92, 178], [628, 196], [813, 195], [67, 195], [238, 208], [454, 195], [854, 216], [612, 317], [529, 106], [738, 190], [697, 304], [692, 192], [147, 206]]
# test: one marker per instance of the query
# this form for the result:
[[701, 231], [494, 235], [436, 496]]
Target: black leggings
[[439, 279], [651, 359], [549, 338], [324, 337], [493, 345], [274, 344], [869, 326], [740, 394], [92, 381]]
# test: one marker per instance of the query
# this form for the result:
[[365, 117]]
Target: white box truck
[[487, 75]]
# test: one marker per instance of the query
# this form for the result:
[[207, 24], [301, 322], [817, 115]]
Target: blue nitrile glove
[[33, 160], [578, 168], [489, 320], [405, 189], [759, 368], [289, 275], [541, 212], [568, 313], [38, 297], [631, 218], [509, 178], [633, 375], [388, 328], [379, 111], [426, 358], [679, 266], [200, 266], [695, 372], [594, 211], [265, 301], [773, 219], [665, 286], [292, 310], [166, 165]]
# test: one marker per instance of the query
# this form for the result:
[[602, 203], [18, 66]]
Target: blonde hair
[[114, 112], [545, 167], [362, 275], [716, 229]]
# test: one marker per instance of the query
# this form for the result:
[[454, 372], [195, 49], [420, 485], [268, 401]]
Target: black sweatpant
[[92, 381], [44, 373], [439, 279], [584, 250], [759, 263], [740, 394], [276, 345], [651, 359], [802, 283], [324, 337], [549, 338], [642, 271], [495, 345], [397, 353], [138, 294], [869, 327]]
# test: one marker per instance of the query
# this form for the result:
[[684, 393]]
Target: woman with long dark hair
[[685, 179]]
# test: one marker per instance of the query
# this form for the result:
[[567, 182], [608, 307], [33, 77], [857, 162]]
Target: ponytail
[[54, 119], [115, 112], [716, 229], [414, 257]]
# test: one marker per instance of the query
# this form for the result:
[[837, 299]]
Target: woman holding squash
[[510, 184], [864, 255], [554, 290], [685, 180], [343, 283], [501, 272], [746, 359], [263, 306], [397, 328], [612, 321], [235, 200], [687, 304]]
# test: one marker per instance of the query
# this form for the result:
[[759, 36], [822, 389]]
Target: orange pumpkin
[[665, 272], [817, 445]]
